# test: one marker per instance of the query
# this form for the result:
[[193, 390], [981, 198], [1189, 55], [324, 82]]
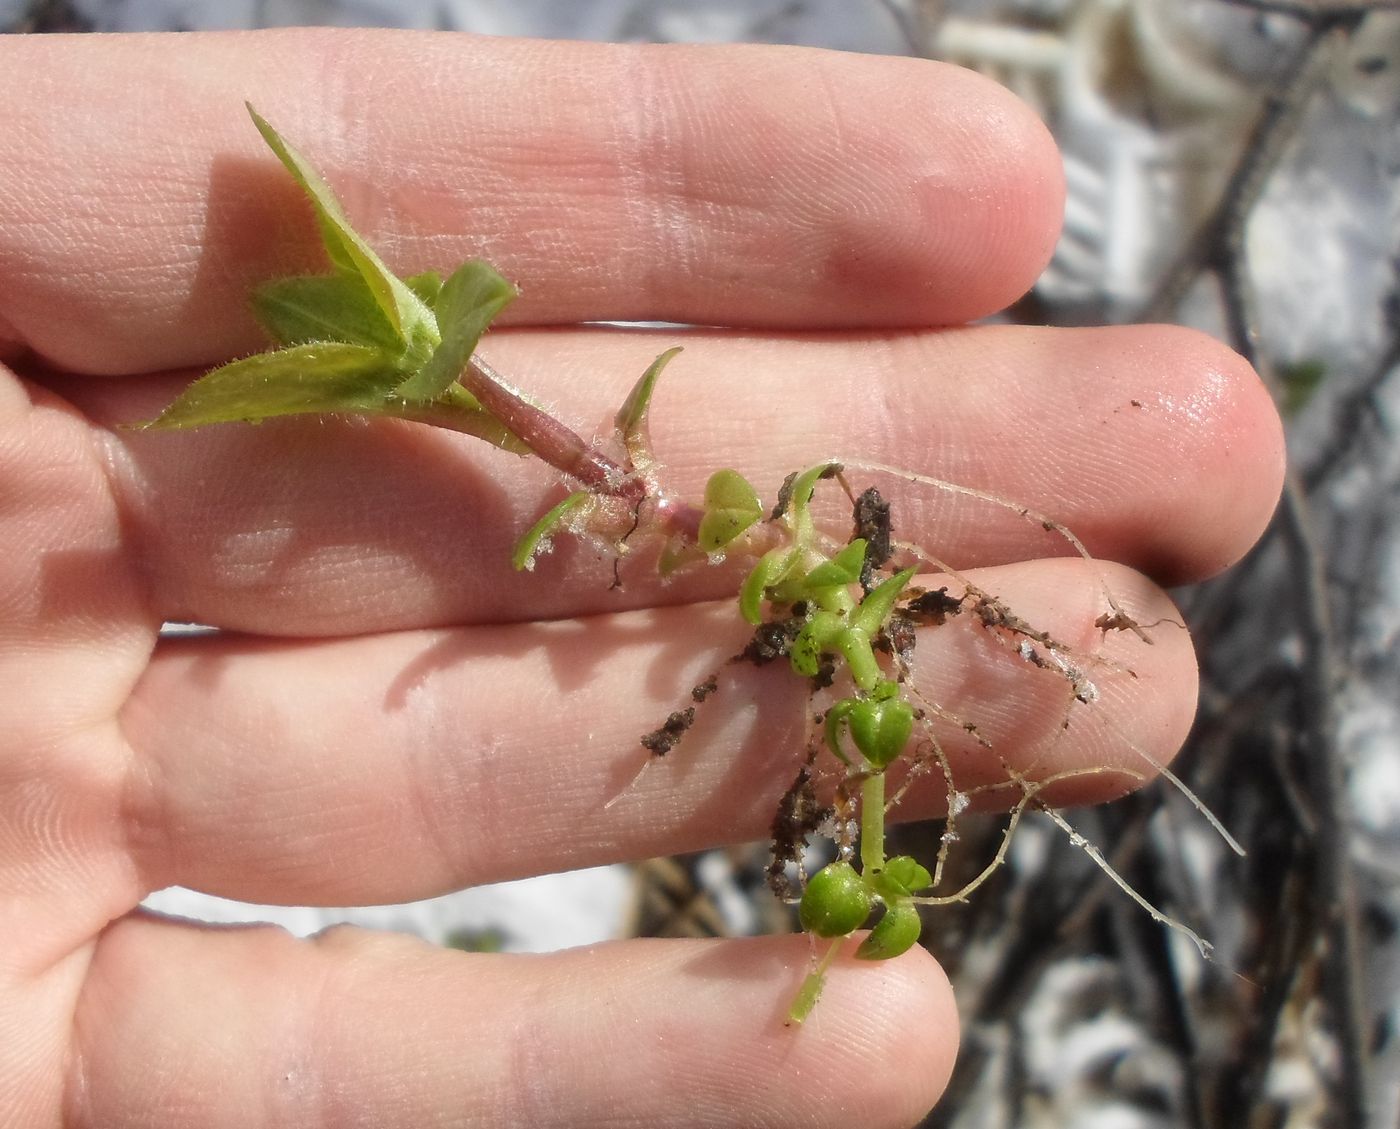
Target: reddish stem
[[561, 447], [548, 439]]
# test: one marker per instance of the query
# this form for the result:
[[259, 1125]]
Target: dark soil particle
[[702, 691], [662, 741], [799, 815], [933, 608], [784, 497], [772, 640], [872, 518], [898, 637]]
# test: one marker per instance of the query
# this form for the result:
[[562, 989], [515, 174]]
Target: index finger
[[757, 186]]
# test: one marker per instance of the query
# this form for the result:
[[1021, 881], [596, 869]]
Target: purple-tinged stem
[[548, 439], [561, 447]]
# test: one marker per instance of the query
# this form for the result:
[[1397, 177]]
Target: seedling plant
[[842, 611]]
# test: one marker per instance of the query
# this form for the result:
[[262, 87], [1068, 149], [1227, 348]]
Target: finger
[[75, 633], [74, 625], [186, 1026], [1157, 446], [390, 768], [752, 185]]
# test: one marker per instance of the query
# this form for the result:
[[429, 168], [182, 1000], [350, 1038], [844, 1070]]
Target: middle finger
[[322, 527]]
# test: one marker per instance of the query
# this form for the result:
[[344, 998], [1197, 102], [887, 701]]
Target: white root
[[1096, 856], [1049, 524]]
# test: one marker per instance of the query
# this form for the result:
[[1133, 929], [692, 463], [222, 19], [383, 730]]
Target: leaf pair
[[360, 340], [630, 430], [880, 726]]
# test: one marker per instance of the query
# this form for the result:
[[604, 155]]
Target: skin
[[394, 713]]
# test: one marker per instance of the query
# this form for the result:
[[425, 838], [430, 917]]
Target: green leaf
[[836, 717], [678, 552], [731, 506], [881, 729], [841, 570], [907, 874], [631, 417], [330, 307], [466, 305], [895, 933], [884, 691], [813, 641], [769, 570], [426, 285], [806, 483], [875, 609], [794, 501], [402, 308], [331, 377], [473, 295], [524, 555]]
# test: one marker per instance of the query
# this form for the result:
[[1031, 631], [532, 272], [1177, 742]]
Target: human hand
[[391, 712]]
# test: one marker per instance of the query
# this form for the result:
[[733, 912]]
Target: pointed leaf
[[331, 307], [806, 482], [799, 497], [404, 311], [468, 302], [303, 379], [632, 416], [875, 609], [535, 540]]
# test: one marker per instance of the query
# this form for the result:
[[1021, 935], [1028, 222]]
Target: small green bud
[[835, 902], [893, 934], [881, 729], [909, 873], [900, 877]]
